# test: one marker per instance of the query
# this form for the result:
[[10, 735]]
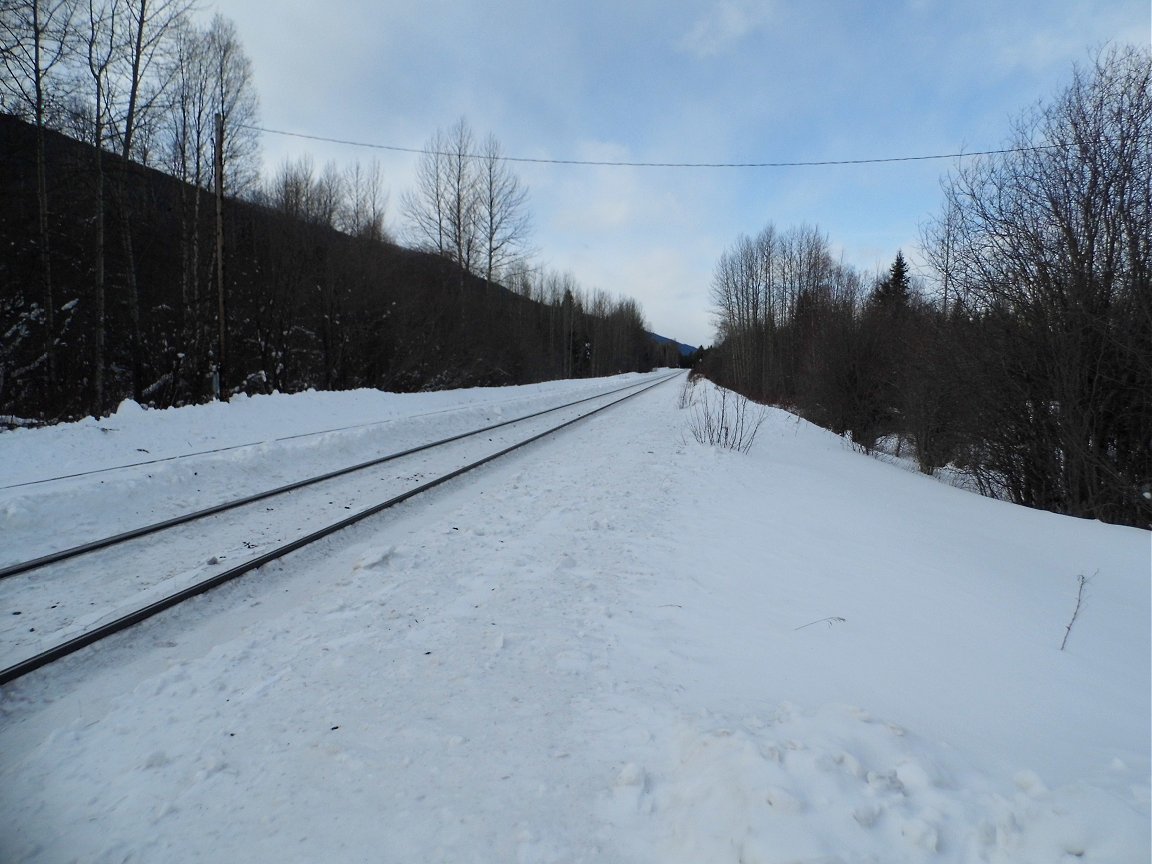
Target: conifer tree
[[894, 292]]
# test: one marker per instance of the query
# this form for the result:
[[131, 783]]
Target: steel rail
[[83, 640], [215, 450], [144, 530]]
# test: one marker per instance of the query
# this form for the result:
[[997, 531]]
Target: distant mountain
[[685, 350]]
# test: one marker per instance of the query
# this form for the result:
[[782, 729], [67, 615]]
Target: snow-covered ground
[[393, 458], [617, 645]]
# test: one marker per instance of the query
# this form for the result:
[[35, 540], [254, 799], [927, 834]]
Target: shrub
[[726, 419]]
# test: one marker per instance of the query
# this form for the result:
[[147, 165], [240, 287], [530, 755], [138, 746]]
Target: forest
[[1023, 359], [144, 261]]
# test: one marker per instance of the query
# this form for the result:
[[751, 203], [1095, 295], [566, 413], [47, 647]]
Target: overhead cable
[[626, 164]]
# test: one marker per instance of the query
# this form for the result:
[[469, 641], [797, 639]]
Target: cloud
[[723, 25], [632, 232], [680, 81]]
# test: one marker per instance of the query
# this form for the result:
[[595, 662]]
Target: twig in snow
[[1079, 598], [830, 620]]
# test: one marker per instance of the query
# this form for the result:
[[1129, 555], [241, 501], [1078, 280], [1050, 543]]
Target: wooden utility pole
[[221, 391]]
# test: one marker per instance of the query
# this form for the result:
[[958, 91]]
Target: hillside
[[682, 349], [306, 306], [829, 659]]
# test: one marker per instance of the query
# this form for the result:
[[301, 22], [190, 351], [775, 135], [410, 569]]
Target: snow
[[615, 645]]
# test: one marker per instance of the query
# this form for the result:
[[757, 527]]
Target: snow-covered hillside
[[618, 645]]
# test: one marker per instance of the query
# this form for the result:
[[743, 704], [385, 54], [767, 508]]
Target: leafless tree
[[146, 37], [208, 75], [190, 118], [461, 195], [425, 207], [234, 99], [292, 189], [189, 141], [100, 48], [468, 206], [938, 238], [766, 291], [1053, 250], [503, 216], [328, 195], [125, 46], [36, 36], [36, 44], [366, 202], [443, 210]]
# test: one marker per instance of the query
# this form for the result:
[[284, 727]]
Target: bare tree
[[767, 295], [443, 210], [365, 202], [234, 99], [503, 216], [190, 130], [292, 189], [1053, 249], [468, 206], [938, 239], [328, 194], [147, 28], [425, 207], [100, 49], [190, 120], [209, 76], [461, 195], [36, 37]]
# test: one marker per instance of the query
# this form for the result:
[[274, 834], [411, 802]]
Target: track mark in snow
[[375, 558]]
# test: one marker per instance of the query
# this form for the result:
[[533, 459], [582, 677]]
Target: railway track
[[143, 571]]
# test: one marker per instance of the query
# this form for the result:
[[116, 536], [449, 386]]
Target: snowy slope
[[564, 661]]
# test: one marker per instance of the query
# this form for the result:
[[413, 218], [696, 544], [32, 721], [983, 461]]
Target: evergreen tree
[[894, 292]]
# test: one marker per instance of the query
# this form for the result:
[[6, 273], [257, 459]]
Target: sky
[[675, 81]]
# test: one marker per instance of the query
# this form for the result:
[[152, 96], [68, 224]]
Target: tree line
[[114, 284], [1023, 357]]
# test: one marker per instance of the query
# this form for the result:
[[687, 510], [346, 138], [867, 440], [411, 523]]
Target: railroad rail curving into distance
[[125, 621]]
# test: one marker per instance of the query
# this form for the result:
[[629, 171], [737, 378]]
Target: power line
[[623, 164]]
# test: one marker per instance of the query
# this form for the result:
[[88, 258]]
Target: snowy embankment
[[619, 645]]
